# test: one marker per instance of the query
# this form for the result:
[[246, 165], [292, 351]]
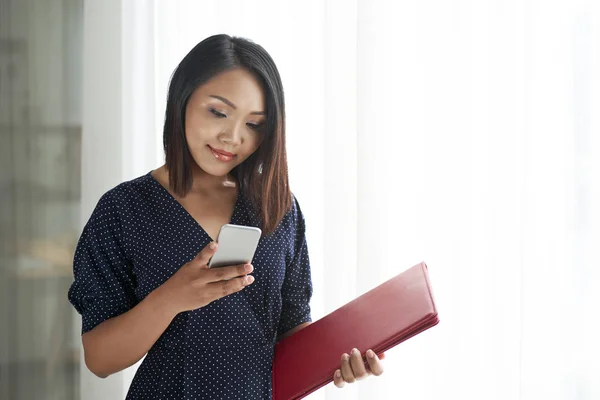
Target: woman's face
[[224, 121]]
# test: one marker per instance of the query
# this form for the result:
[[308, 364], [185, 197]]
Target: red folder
[[380, 319]]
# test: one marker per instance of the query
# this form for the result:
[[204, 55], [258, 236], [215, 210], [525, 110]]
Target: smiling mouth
[[222, 155]]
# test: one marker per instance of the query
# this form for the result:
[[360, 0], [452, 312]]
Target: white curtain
[[465, 134]]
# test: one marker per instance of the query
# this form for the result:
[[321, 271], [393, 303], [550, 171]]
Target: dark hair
[[263, 176]]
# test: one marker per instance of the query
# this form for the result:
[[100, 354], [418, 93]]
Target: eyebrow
[[230, 104]]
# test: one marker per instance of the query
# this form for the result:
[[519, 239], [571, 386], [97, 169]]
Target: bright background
[[459, 133], [465, 134]]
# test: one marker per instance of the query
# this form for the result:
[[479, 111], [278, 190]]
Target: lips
[[221, 155]]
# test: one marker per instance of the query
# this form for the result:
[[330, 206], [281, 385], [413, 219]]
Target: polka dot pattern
[[136, 238]]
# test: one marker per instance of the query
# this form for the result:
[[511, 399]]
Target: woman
[[142, 284]]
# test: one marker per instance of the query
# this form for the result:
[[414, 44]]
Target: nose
[[232, 135]]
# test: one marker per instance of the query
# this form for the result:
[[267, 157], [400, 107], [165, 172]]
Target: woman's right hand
[[195, 285]]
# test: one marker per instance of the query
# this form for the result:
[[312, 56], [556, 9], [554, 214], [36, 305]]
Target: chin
[[218, 172], [212, 169]]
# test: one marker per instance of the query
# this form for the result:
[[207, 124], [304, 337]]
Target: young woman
[[141, 282]]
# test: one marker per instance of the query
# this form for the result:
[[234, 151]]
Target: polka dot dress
[[137, 237]]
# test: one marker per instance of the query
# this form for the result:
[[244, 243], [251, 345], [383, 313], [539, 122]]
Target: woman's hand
[[195, 285], [353, 368]]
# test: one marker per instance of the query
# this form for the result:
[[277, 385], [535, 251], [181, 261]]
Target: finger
[[347, 374], [358, 366], [202, 258], [338, 380], [226, 273], [375, 365], [225, 288]]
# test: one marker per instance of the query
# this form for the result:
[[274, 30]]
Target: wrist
[[162, 302]]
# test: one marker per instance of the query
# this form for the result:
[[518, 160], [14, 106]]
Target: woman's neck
[[206, 183]]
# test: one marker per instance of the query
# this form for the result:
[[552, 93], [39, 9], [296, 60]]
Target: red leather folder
[[380, 319]]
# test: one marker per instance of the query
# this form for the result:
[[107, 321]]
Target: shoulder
[[296, 211], [294, 222], [124, 196], [133, 188]]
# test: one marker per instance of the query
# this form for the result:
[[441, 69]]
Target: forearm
[[122, 341]]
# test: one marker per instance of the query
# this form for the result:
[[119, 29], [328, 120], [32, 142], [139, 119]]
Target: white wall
[[118, 137], [102, 164]]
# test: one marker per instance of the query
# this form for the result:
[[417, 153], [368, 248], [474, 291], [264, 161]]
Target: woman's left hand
[[353, 368]]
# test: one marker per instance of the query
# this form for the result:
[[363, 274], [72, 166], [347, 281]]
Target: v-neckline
[[232, 219]]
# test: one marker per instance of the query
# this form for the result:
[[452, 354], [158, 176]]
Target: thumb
[[202, 258]]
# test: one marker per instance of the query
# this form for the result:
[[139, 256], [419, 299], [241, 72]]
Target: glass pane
[[40, 138]]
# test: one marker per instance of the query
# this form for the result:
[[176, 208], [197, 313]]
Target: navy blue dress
[[136, 238]]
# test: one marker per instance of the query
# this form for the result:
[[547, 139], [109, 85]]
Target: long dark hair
[[263, 176]]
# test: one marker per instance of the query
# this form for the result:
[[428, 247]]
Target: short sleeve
[[103, 285], [297, 287]]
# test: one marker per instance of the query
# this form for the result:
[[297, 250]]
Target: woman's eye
[[255, 127], [216, 113]]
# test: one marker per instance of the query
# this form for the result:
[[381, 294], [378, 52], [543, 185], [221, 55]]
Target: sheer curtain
[[459, 133], [476, 145]]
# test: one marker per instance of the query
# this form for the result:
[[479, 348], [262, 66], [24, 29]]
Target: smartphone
[[237, 245]]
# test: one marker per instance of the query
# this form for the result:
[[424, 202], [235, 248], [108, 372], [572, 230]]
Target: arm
[[118, 330], [296, 290], [122, 341]]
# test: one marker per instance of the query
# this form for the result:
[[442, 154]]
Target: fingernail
[[370, 354], [345, 357], [249, 279], [355, 352], [248, 267], [338, 374], [212, 245]]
